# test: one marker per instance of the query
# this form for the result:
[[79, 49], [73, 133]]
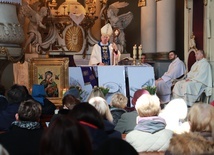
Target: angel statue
[[119, 23], [192, 43], [35, 15]]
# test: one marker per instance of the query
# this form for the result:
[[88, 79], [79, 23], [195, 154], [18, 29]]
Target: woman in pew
[[149, 134], [92, 121], [127, 122], [68, 103], [65, 136], [102, 107], [15, 95], [24, 134], [175, 113], [200, 139]]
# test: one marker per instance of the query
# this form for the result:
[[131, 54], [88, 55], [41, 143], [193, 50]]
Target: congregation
[[168, 122], [98, 128]]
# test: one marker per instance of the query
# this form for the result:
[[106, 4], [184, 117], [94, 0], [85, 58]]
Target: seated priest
[[175, 70], [104, 52], [198, 79]]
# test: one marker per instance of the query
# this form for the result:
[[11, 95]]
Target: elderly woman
[[102, 107], [200, 139], [174, 113], [149, 134]]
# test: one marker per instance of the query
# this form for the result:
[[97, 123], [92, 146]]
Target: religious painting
[[52, 73]]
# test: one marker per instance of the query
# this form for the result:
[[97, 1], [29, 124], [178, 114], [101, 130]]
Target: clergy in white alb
[[105, 53], [164, 84], [198, 79]]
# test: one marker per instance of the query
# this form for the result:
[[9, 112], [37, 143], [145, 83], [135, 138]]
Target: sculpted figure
[[35, 16], [192, 43], [119, 23]]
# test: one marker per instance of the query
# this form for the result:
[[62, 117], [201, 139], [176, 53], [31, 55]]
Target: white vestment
[[200, 77], [163, 87], [96, 55]]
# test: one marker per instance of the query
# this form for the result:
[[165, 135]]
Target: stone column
[[148, 27], [166, 25]]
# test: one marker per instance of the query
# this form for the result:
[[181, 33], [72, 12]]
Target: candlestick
[[68, 8], [134, 51], [140, 50]]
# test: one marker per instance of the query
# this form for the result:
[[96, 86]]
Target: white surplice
[[200, 77], [96, 55], [175, 70]]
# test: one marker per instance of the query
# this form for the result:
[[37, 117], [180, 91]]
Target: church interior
[[70, 28], [106, 77]]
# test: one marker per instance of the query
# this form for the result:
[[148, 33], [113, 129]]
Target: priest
[[198, 79], [104, 52], [175, 70]]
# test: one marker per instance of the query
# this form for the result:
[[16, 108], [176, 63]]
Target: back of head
[[38, 93], [137, 94], [87, 113], [38, 90], [116, 146], [190, 144], [201, 117], [96, 92], [118, 100], [102, 107], [65, 136], [29, 110], [16, 94], [69, 101], [148, 105], [74, 92], [176, 108]]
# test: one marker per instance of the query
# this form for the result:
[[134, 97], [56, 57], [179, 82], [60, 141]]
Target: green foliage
[[104, 90], [150, 89]]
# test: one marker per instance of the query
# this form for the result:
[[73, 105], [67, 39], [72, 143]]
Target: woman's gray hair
[[102, 107]]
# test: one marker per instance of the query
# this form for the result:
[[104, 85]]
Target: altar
[[118, 79]]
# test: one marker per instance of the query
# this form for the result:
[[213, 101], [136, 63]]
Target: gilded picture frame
[[41, 69]]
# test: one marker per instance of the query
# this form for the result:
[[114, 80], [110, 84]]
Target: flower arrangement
[[150, 89], [104, 90]]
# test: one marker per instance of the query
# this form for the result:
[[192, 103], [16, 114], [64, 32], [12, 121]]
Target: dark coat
[[3, 103], [7, 116], [97, 136], [116, 114], [20, 141], [127, 122], [109, 129]]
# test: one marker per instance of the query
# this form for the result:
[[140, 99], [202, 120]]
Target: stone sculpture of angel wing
[[28, 11], [117, 5], [125, 19], [121, 21]]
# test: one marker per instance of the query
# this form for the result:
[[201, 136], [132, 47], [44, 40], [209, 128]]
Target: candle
[[134, 51], [139, 51], [68, 8]]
